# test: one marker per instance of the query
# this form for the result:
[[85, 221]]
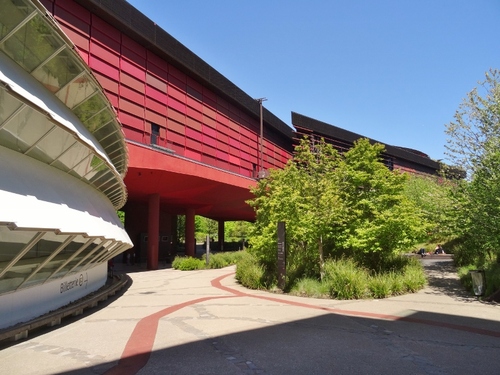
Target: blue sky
[[391, 70]]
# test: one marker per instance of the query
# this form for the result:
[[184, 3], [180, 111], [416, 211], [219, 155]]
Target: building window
[[155, 134]]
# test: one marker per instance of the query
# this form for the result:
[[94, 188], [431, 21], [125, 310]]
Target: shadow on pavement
[[327, 344]]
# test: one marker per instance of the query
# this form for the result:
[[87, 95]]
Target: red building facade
[[196, 142], [194, 138]]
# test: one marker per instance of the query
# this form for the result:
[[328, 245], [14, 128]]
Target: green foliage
[[413, 277], [250, 273], [380, 286], [205, 226], [237, 230], [473, 144], [334, 205], [121, 216], [309, 287], [221, 260], [187, 263], [492, 274], [217, 260], [492, 278], [438, 200], [233, 230], [345, 279], [464, 276], [477, 125], [181, 228], [381, 220]]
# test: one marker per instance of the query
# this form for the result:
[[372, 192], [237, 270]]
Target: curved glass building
[[62, 161]]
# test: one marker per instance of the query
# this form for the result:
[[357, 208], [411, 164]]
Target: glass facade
[[28, 38], [69, 126], [30, 257]]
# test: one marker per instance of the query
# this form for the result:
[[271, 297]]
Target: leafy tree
[[205, 226], [381, 219], [477, 125], [333, 206], [237, 230], [483, 208], [440, 202], [301, 196], [473, 144]]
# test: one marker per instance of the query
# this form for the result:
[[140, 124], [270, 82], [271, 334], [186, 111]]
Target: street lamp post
[[261, 145]]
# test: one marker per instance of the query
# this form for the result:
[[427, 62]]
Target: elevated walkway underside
[[183, 183]]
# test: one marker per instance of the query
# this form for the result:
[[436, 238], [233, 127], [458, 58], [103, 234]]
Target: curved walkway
[[203, 322]]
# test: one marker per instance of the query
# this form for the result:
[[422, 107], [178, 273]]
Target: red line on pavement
[[457, 327], [140, 343]]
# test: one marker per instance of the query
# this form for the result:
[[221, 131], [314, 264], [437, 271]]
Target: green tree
[[333, 206], [473, 144], [437, 200], [237, 230], [477, 125], [301, 196], [206, 226], [381, 219], [483, 209]]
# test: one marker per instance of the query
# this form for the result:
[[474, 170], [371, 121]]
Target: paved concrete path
[[203, 322]]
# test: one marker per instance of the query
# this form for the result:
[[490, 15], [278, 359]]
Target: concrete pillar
[[190, 235], [221, 235], [153, 230]]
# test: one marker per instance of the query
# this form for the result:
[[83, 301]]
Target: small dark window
[[155, 134]]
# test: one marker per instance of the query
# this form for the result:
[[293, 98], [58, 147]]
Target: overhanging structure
[[62, 162]]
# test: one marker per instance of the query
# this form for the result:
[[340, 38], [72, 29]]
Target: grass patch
[[186, 263], [345, 279], [380, 286], [217, 260], [309, 287], [250, 273]]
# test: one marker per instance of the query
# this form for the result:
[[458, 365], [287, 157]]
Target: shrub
[[413, 276], [250, 273], [187, 263], [309, 287], [380, 286], [464, 276], [492, 278], [224, 259], [397, 283], [218, 260], [345, 280]]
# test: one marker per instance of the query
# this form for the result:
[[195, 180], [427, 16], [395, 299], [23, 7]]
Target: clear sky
[[391, 70]]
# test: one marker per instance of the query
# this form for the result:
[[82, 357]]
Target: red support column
[[190, 235], [153, 231], [221, 235]]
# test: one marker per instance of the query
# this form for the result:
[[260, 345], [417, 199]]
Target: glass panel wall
[[12, 15], [31, 257], [33, 42], [58, 70]]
